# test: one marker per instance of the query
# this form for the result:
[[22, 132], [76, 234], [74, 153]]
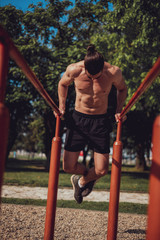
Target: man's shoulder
[[114, 70], [75, 69]]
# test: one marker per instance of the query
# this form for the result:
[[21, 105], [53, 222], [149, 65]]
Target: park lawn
[[32, 173], [94, 206]]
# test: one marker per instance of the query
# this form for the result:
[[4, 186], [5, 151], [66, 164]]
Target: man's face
[[96, 76]]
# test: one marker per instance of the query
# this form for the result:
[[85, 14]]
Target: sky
[[20, 4], [23, 4]]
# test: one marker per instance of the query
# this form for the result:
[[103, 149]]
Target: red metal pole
[[153, 228], [117, 154], [56, 142], [115, 186], [4, 113], [53, 184]]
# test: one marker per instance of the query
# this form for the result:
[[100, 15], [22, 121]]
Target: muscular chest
[[93, 87]]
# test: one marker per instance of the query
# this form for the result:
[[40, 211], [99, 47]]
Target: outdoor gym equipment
[[7, 48], [117, 154], [153, 226]]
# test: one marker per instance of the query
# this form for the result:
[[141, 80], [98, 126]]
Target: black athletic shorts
[[91, 130]]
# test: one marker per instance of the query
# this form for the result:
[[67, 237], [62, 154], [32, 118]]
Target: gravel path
[[19, 222], [67, 194]]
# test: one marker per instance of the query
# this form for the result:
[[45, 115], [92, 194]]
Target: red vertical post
[[53, 183], [4, 113], [115, 186], [153, 228]]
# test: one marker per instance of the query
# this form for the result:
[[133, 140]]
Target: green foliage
[[50, 38], [11, 18], [32, 139], [130, 39]]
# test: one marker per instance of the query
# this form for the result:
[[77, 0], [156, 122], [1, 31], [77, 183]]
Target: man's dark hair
[[93, 61]]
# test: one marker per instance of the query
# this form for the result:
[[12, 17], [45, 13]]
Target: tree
[[49, 38], [17, 100], [130, 40], [21, 97]]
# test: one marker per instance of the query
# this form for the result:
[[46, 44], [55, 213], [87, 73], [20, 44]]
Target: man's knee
[[101, 172], [101, 163]]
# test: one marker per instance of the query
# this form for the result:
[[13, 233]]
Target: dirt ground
[[27, 222]]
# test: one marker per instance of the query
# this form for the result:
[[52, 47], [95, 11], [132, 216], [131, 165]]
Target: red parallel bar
[[153, 228], [4, 113], [53, 184], [150, 77], [4, 57], [115, 186], [117, 156], [19, 59], [56, 142]]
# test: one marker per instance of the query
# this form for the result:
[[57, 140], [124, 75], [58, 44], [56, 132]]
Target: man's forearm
[[62, 95], [121, 97]]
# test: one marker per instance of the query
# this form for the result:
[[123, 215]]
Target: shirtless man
[[93, 79]]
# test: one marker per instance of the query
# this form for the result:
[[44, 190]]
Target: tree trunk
[[47, 165], [140, 159], [49, 123]]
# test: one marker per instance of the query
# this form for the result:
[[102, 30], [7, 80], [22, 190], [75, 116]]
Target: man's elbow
[[61, 85], [124, 90]]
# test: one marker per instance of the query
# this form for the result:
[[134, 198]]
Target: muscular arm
[[63, 89], [121, 91], [121, 96], [68, 77]]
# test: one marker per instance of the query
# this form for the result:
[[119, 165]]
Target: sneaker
[[77, 190], [88, 188]]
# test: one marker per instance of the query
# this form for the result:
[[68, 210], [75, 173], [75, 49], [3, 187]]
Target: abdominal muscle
[[91, 104], [92, 95]]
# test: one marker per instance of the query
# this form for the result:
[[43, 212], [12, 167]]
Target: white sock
[[80, 185]]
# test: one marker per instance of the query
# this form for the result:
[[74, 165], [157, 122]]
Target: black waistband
[[90, 115]]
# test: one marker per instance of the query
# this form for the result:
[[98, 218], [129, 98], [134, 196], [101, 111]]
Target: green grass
[[130, 182], [94, 206], [24, 172], [32, 173]]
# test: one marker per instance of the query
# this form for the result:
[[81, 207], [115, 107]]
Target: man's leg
[[71, 164], [100, 169]]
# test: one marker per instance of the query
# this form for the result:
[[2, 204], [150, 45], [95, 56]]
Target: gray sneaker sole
[[72, 181]]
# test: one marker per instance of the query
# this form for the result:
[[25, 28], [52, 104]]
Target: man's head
[[93, 61]]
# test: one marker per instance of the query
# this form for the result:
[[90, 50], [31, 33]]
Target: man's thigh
[[101, 161], [70, 158]]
